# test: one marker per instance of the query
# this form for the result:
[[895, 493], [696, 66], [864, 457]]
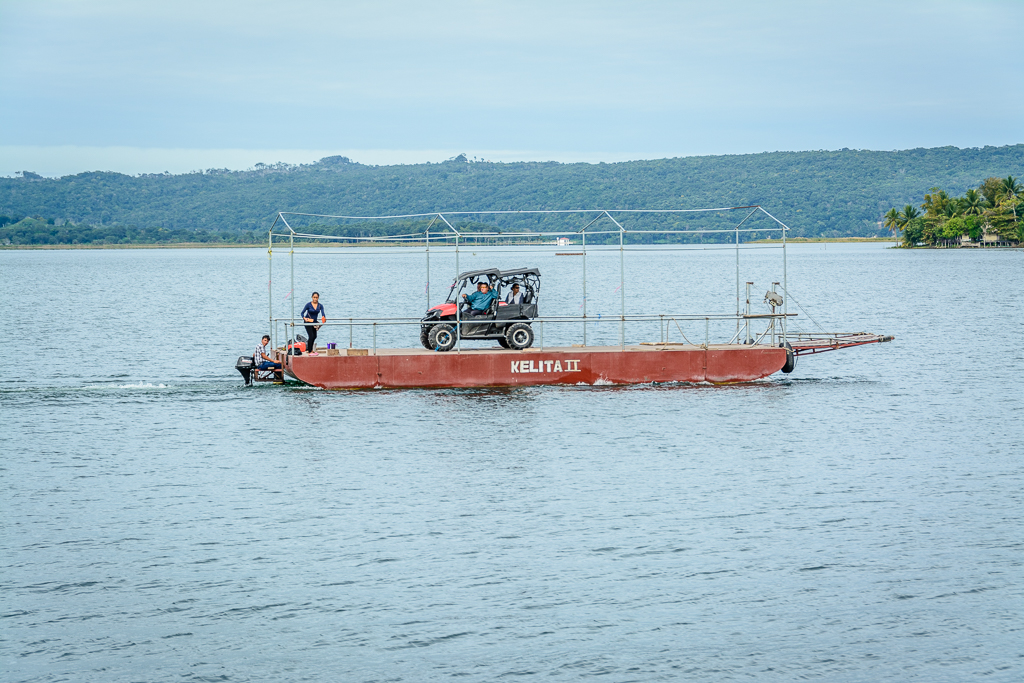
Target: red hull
[[408, 368]]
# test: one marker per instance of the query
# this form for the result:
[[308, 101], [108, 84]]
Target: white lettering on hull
[[521, 366]]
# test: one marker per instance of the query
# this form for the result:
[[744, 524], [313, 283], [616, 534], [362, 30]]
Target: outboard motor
[[244, 367]]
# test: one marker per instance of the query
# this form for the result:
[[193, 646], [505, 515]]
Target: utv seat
[[488, 315]]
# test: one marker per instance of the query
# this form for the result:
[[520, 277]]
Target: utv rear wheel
[[425, 336], [519, 336], [442, 337]]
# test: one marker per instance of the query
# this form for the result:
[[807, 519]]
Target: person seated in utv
[[480, 300], [515, 296]]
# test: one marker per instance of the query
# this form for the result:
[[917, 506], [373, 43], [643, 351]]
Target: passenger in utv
[[310, 313], [480, 300], [515, 296], [264, 362]]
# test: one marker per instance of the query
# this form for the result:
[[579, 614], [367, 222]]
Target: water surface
[[858, 520]]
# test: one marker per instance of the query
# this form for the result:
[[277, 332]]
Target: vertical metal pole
[[270, 281], [350, 333], [775, 287], [428, 268], [292, 257], [584, 287], [375, 337], [746, 320], [785, 286], [541, 326], [707, 326], [622, 292], [458, 307], [737, 278]]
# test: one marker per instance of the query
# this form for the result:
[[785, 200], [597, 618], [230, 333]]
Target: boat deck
[[668, 346]]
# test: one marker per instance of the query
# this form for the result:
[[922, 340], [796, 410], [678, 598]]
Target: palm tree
[[903, 218], [936, 203], [1011, 189], [1010, 192], [973, 203], [892, 221], [908, 214]]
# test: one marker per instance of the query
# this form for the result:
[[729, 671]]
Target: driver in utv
[[480, 300]]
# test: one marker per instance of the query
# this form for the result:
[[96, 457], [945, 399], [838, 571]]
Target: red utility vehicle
[[506, 323]]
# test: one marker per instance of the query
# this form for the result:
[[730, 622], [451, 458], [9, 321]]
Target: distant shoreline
[[205, 245], [169, 245], [793, 240]]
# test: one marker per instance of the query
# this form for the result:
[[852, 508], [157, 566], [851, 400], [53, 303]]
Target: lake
[[857, 520]]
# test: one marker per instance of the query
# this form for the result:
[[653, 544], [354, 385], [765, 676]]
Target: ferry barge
[[761, 345]]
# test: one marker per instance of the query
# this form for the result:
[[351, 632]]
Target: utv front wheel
[[425, 336], [519, 336], [442, 337]]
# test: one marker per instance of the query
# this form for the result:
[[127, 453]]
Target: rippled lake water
[[858, 520]]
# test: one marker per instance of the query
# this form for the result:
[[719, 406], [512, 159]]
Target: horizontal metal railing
[[773, 331]]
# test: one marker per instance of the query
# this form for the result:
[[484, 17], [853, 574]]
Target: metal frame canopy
[[443, 229]]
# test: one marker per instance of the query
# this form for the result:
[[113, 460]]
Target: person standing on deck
[[310, 313]]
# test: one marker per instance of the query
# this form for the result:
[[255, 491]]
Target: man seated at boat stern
[[480, 300], [264, 363]]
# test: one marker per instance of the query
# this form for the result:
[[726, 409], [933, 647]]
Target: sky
[[148, 87]]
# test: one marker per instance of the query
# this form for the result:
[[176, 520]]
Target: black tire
[[790, 365], [519, 336], [425, 336], [443, 337], [503, 343]]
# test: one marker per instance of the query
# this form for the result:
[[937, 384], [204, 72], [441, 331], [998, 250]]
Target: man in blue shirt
[[480, 300], [310, 313]]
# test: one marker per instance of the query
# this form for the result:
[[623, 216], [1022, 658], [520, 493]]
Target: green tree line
[[842, 193], [40, 232], [995, 207]]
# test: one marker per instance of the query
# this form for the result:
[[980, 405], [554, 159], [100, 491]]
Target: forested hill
[[824, 193]]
